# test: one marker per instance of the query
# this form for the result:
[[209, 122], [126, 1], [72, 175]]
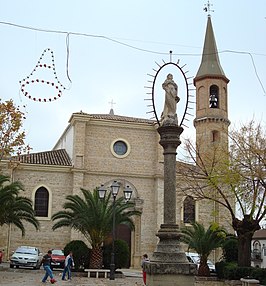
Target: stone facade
[[90, 143], [94, 163]]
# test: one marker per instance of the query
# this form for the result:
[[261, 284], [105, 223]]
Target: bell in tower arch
[[214, 96]]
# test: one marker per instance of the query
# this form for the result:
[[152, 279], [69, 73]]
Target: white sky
[[102, 70]]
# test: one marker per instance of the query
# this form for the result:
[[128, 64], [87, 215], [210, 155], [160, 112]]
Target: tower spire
[[211, 120], [210, 63]]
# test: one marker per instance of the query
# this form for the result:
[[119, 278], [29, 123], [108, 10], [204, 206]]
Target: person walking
[[69, 263], [143, 260], [46, 262]]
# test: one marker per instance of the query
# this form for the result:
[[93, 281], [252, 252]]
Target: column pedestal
[[168, 265]]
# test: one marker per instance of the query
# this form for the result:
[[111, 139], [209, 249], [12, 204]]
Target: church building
[[99, 149]]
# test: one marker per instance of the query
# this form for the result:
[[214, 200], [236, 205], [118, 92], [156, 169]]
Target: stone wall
[[32, 178]]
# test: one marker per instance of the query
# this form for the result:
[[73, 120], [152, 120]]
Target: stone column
[[170, 140], [168, 265]]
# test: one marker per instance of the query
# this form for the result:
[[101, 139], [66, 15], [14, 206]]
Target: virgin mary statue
[[171, 99]]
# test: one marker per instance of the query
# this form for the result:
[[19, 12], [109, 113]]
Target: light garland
[[56, 85]]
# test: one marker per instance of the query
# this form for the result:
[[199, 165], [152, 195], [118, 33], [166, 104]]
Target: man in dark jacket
[[46, 261]]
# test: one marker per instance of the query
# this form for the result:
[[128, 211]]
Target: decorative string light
[[56, 84]]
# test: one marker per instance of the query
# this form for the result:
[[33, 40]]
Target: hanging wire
[[129, 46], [67, 61]]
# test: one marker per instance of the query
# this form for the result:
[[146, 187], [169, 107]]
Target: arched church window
[[214, 96], [256, 252], [264, 249], [189, 210], [41, 202], [256, 245]]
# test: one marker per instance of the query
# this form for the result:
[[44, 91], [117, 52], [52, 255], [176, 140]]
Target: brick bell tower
[[211, 120]]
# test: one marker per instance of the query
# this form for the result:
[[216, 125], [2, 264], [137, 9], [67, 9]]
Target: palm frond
[[14, 209], [93, 216]]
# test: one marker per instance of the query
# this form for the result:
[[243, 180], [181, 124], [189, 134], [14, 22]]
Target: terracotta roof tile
[[116, 118], [260, 234], [55, 157]]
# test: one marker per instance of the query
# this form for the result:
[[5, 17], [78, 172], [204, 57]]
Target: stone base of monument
[[168, 265], [170, 274]]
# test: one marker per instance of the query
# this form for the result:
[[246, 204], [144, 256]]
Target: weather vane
[[207, 8]]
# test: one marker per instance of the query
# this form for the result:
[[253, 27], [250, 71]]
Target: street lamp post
[[127, 194]]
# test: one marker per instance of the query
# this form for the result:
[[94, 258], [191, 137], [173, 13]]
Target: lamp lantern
[[102, 191], [127, 193], [115, 188]]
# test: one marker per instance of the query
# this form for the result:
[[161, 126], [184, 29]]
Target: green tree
[[12, 137], [233, 178], [203, 242], [15, 209], [92, 217]]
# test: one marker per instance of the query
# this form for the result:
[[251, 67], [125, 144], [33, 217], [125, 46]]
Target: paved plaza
[[29, 277]]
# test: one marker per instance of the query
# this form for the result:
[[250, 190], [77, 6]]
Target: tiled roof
[[116, 117], [55, 157], [260, 234]]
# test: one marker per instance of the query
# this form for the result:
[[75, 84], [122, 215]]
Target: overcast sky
[[117, 43]]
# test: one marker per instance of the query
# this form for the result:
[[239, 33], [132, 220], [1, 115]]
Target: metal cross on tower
[[207, 8]]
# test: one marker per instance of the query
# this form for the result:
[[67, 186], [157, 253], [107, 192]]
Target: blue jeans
[[67, 270], [48, 272]]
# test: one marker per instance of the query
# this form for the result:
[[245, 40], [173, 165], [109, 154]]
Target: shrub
[[121, 254], [227, 267], [230, 249], [233, 272], [81, 254], [219, 267], [259, 274], [230, 271]]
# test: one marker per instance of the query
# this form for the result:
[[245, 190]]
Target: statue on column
[[169, 115]]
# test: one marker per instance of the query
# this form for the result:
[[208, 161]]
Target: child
[[144, 258], [69, 262], [46, 261]]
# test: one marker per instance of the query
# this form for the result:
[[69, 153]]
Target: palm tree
[[14, 209], [92, 217], [203, 242]]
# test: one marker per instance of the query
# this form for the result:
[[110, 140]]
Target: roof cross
[[112, 103]]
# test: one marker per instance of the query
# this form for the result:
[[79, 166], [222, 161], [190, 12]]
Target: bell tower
[[211, 120]]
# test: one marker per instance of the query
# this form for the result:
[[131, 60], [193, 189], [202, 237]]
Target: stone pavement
[[29, 277]]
